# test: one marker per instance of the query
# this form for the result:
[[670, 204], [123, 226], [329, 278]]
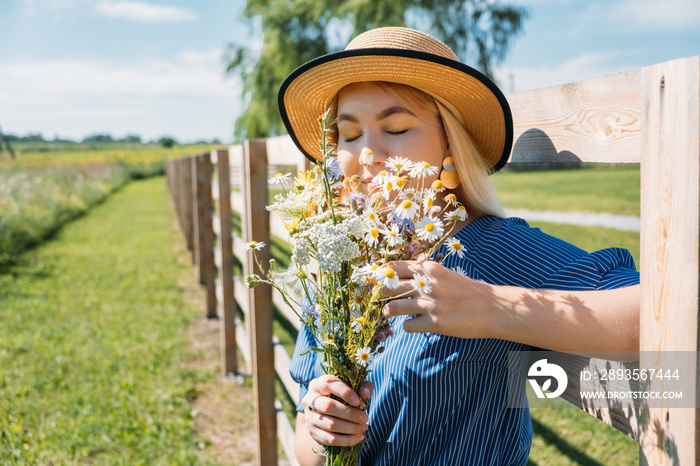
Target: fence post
[[187, 204], [260, 313], [229, 363], [670, 253], [204, 235]]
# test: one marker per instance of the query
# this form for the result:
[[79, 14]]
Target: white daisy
[[387, 277], [458, 214], [372, 236], [370, 217], [366, 156], [421, 283], [429, 196], [429, 228], [388, 186], [406, 209], [460, 271], [422, 169], [280, 178], [455, 247], [357, 324], [410, 194], [253, 245], [364, 356], [398, 164], [393, 235], [380, 178]]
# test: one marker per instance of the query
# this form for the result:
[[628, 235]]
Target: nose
[[379, 149]]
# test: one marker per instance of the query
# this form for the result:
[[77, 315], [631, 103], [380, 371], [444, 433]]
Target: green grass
[[611, 189], [92, 341]]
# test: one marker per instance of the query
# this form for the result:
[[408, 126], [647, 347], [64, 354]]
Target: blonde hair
[[475, 190]]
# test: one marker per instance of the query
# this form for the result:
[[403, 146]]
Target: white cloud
[[188, 98], [585, 66], [644, 16], [144, 12]]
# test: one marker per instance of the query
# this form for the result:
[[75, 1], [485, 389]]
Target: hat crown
[[401, 38]]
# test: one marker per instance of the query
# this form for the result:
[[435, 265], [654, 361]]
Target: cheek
[[348, 163]]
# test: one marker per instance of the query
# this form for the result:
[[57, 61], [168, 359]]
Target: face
[[370, 117]]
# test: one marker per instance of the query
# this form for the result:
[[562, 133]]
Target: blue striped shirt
[[441, 400]]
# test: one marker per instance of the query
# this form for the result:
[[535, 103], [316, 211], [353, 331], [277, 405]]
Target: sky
[[154, 68]]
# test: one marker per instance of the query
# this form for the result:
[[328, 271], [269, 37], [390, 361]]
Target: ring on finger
[[312, 405]]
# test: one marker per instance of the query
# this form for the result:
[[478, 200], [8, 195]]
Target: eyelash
[[393, 133]]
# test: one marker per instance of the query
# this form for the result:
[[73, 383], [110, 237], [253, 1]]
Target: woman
[[439, 392]]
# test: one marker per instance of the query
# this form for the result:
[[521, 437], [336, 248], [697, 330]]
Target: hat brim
[[306, 94]]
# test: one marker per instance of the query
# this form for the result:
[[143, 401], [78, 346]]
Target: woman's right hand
[[330, 421]]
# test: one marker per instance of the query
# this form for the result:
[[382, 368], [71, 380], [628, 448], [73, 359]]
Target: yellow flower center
[[406, 204], [430, 202], [364, 356], [358, 300], [382, 173], [389, 186], [456, 246], [451, 197], [389, 273], [361, 320], [429, 227], [371, 216], [437, 184], [425, 164], [421, 283], [374, 266], [400, 182], [374, 232]]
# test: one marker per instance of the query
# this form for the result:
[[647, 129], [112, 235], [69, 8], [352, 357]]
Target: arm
[[575, 321], [331, 422]]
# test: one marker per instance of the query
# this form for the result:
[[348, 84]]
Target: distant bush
[[167, 142], [35, 203]]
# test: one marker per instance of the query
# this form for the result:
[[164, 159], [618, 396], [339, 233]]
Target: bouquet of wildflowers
[[343, 242]]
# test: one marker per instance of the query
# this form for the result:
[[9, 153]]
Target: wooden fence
[[649, 116]]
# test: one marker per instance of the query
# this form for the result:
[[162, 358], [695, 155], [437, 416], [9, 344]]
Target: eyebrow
[[380, 116]]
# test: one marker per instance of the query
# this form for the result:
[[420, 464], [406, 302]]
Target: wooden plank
[[670, 250], [188, 204], [596, 120], [282, 365], [204, 235], [229, 355], [622, 414], [281, 150], [286, 434], [258, 229]]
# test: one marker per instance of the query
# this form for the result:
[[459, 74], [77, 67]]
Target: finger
[[323, 437], [404, 289], [419, 324], [366, 390], [328, 408], [406, 269], [331, 385], [402, 307]]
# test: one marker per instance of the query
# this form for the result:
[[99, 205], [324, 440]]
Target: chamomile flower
[[357, 324], [372, 236], [388, 186], [455, 247], [357, 299], [370, 217], [387, 277], [366, 156], [451, 200], [422, 169], [280, 178], [429, 228], [380, 178], [253, 245], [460, 271], [393, 235], [438, 186], [398, 164], [406, 209], [410, 194], [421, 283], [429, 196], [364, 356], [458, 214]]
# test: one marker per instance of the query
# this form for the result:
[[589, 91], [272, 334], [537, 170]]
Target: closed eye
[[397, 132]]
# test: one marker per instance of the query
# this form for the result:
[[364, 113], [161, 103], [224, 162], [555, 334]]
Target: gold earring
[[449, 175]]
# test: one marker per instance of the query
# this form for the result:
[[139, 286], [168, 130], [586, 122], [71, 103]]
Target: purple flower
[[333, 169], [309, 307], [357, 200]]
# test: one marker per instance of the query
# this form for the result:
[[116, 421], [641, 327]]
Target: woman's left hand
[[456, 306]]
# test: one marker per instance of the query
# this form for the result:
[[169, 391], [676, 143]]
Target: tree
[[296, 31], [167, 142], [4, 139]]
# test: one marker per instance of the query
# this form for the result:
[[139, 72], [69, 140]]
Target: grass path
[[93, 342]]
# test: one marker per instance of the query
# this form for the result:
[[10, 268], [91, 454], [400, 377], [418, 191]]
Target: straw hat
[[406, 56]]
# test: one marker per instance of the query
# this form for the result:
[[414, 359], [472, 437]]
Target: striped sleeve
[[305, 365]]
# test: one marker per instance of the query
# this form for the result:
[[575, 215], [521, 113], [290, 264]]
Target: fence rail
[[649, 116]]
